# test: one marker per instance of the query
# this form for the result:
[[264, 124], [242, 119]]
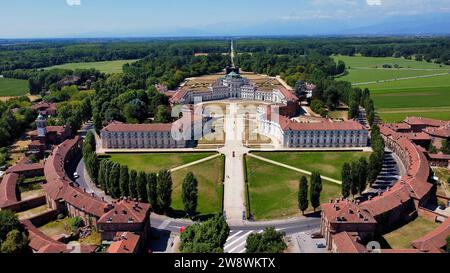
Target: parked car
[[76, 176], [321, 245], [316, 236]]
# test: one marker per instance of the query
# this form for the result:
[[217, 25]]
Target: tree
[[315, 190], [114, 180], [76, 223], [103, 175], [132, 189], [446, 146], [346, 180], [16, 243], [362, 175], [270, 241], [164, 190], [355, 178], [303, 195], [136, 111], [124, 181], [8, 222], [142, 186], [152, 181], [190, 194], [207, 237], [162, 115]]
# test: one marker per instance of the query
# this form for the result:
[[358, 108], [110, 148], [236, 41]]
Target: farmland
[[108, 67], [397, 98], [13, 87]]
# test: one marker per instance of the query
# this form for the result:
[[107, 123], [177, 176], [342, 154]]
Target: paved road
[[86, 183], [239, 234], [234, 150]]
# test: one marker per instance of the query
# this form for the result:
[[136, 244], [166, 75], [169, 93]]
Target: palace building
[[321, 134], [234, 86]]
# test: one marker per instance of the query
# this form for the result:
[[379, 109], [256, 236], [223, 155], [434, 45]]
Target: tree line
[[153, 188], [309, 192], [357, 175]]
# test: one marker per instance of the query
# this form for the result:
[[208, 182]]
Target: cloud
[[73, 2], [374, 2]]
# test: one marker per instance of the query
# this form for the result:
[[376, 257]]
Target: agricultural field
[[397, 99], [327, 163], [13, 87], [274, 190], [154, 162], [209, 175], [108, 67]]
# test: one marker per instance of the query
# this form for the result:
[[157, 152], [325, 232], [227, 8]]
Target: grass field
[[402, 237], [108, 67], [327, 163], [273, 190], [154, 162], [13, 87], [209, 175], [395, 100]]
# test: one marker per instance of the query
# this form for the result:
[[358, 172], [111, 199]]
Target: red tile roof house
[[61, 194], [44, 108], [345, 216], [125, 243], [390, 209], [126, 215]]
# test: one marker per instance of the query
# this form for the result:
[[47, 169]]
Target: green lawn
[[327, 163], [209, 175], [13, 87], [108, 67], [402, 237], [273, 190], [154, 162]]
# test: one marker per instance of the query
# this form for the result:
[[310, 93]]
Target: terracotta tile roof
[[434, 240], [326, 126], [347, 243], [51, 129], [289, 95], [420, 121], [8, 190], [346, 212], [37, 238], [439, 156], [24, 167], [126, 242], [58, 248], [126, 211], [443, 132], [59, 186], [395, 197], [122, 127]]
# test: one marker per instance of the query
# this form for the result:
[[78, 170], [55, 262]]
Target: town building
[[45, 136], [126, 216]]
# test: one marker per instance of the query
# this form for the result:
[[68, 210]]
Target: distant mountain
[[431, 24]]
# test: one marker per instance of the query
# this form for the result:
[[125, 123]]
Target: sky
[[78, 18]]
